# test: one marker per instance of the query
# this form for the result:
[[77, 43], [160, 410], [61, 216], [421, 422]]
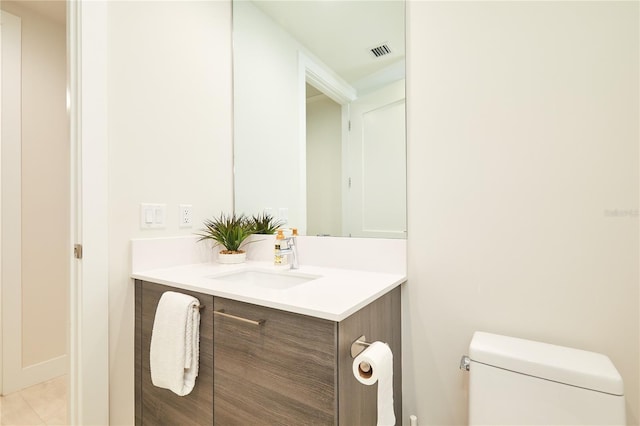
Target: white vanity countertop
[[335, 295]]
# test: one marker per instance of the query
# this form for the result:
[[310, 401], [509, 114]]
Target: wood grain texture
[[378, 321], [293, 369], [138, 349], [161, 406], [280, 373]]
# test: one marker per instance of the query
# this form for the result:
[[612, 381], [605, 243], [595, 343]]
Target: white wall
[[324, 166], [169, 67], [44, 189], [523, 143], [523, 139]]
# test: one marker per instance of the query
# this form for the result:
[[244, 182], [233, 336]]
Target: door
[[10, 180], [376, 168], [35, 156], [272, 366]]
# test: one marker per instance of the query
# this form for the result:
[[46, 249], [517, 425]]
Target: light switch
[[152, 216], [159, 216], [148, 216]]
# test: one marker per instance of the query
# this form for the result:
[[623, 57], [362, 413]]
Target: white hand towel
[[175, 343]]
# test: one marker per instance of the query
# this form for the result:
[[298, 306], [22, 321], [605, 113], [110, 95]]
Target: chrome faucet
[[292, 249], [292, 241]]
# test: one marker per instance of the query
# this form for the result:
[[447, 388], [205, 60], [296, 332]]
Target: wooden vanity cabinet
[[158, 406], [280, 369], [378, 321], [270, 367], [296, 369]]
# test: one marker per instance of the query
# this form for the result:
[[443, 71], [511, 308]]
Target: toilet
[[521, 382]]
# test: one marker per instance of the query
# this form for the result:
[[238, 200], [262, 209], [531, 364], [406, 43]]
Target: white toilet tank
[[520, 382]]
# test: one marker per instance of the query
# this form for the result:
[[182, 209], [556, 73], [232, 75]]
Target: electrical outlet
[[186, 215]]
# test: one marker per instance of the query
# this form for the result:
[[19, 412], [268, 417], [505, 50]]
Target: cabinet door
[[157, 406], [282, 371]]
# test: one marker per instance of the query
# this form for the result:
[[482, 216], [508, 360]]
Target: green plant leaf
[[229, 231], [264, 223]]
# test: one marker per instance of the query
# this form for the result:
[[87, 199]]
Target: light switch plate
[[152, 216]]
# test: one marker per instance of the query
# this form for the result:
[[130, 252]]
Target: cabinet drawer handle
[[222, 313]]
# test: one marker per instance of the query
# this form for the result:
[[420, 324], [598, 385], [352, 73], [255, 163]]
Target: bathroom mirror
[[319, 115]]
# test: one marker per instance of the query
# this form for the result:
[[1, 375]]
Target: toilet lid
[[574, 367]]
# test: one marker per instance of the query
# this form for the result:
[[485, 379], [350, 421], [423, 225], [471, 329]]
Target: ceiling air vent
[[380, 50]]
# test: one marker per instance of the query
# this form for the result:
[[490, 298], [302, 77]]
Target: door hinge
[[349, 125], [349, 182], [77, 251]]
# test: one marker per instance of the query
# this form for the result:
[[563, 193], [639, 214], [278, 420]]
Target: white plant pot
[[229, 258]]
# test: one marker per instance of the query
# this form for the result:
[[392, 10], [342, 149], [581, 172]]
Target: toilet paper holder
[[359, 345]]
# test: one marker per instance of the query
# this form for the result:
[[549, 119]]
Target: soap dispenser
[[280, 259]]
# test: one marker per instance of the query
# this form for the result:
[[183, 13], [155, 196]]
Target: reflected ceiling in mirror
[[319, 115]]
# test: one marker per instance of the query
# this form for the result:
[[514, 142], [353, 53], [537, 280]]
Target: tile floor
[[42, 404]]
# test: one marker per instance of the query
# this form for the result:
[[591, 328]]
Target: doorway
[[35, 204], [324, 164]]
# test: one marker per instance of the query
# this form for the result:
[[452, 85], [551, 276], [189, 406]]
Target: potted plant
[[264, 223], [229, 231]]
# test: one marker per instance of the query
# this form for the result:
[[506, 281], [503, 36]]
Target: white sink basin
[[266, 279]]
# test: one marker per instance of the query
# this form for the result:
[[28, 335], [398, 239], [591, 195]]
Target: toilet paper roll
[[375, 364]]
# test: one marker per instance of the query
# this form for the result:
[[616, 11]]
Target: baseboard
[[37, 373]]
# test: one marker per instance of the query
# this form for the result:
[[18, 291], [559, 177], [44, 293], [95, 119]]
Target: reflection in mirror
[[319, 115]]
